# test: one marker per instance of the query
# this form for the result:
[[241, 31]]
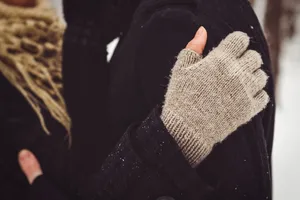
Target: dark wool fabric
[[20, 128], [42, 188], [135, 81], [86, 78], [146, 154], [240, 167]]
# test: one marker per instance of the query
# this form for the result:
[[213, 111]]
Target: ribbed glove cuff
[[193, 147]]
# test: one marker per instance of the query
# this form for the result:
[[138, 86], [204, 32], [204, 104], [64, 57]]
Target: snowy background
[[286, 154]]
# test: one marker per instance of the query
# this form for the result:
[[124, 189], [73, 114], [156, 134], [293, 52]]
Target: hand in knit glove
[[209, 98]]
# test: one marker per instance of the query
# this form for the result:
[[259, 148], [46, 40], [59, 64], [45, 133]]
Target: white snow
[[286, 153]]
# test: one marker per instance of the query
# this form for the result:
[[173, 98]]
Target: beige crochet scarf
[[30, 57]]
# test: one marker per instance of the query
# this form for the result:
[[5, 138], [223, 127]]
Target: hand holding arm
[[209, 98]]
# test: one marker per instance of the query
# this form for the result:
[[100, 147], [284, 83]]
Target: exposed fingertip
[[23, 153], [198, 43]]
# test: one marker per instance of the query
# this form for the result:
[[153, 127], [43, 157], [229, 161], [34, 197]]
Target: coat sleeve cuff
[[142, 146], [121, 168], [156, 147]]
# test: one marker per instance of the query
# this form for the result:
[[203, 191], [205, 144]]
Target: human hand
[[29, 165], [209, 98]]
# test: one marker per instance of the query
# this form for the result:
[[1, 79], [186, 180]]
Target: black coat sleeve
[[91, 25], [239, 168], [146, 164], [85, 78]]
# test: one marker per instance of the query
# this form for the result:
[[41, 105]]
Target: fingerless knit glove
[[209, 98]]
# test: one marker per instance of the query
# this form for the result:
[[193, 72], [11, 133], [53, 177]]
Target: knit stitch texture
[[209, 98], [30, 57]]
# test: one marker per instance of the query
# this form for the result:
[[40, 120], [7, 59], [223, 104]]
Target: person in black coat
[[239, 168], [240, 164], [134, 85], [129, 163]]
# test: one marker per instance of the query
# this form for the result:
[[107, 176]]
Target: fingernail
[[24, 154], [200, 31]]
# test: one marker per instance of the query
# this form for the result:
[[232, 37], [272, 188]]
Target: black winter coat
[[239, 168], [147, 164]]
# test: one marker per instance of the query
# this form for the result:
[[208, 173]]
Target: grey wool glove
[[209, 98]]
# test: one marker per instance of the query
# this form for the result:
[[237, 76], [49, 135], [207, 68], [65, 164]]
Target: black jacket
[[240, 167]]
